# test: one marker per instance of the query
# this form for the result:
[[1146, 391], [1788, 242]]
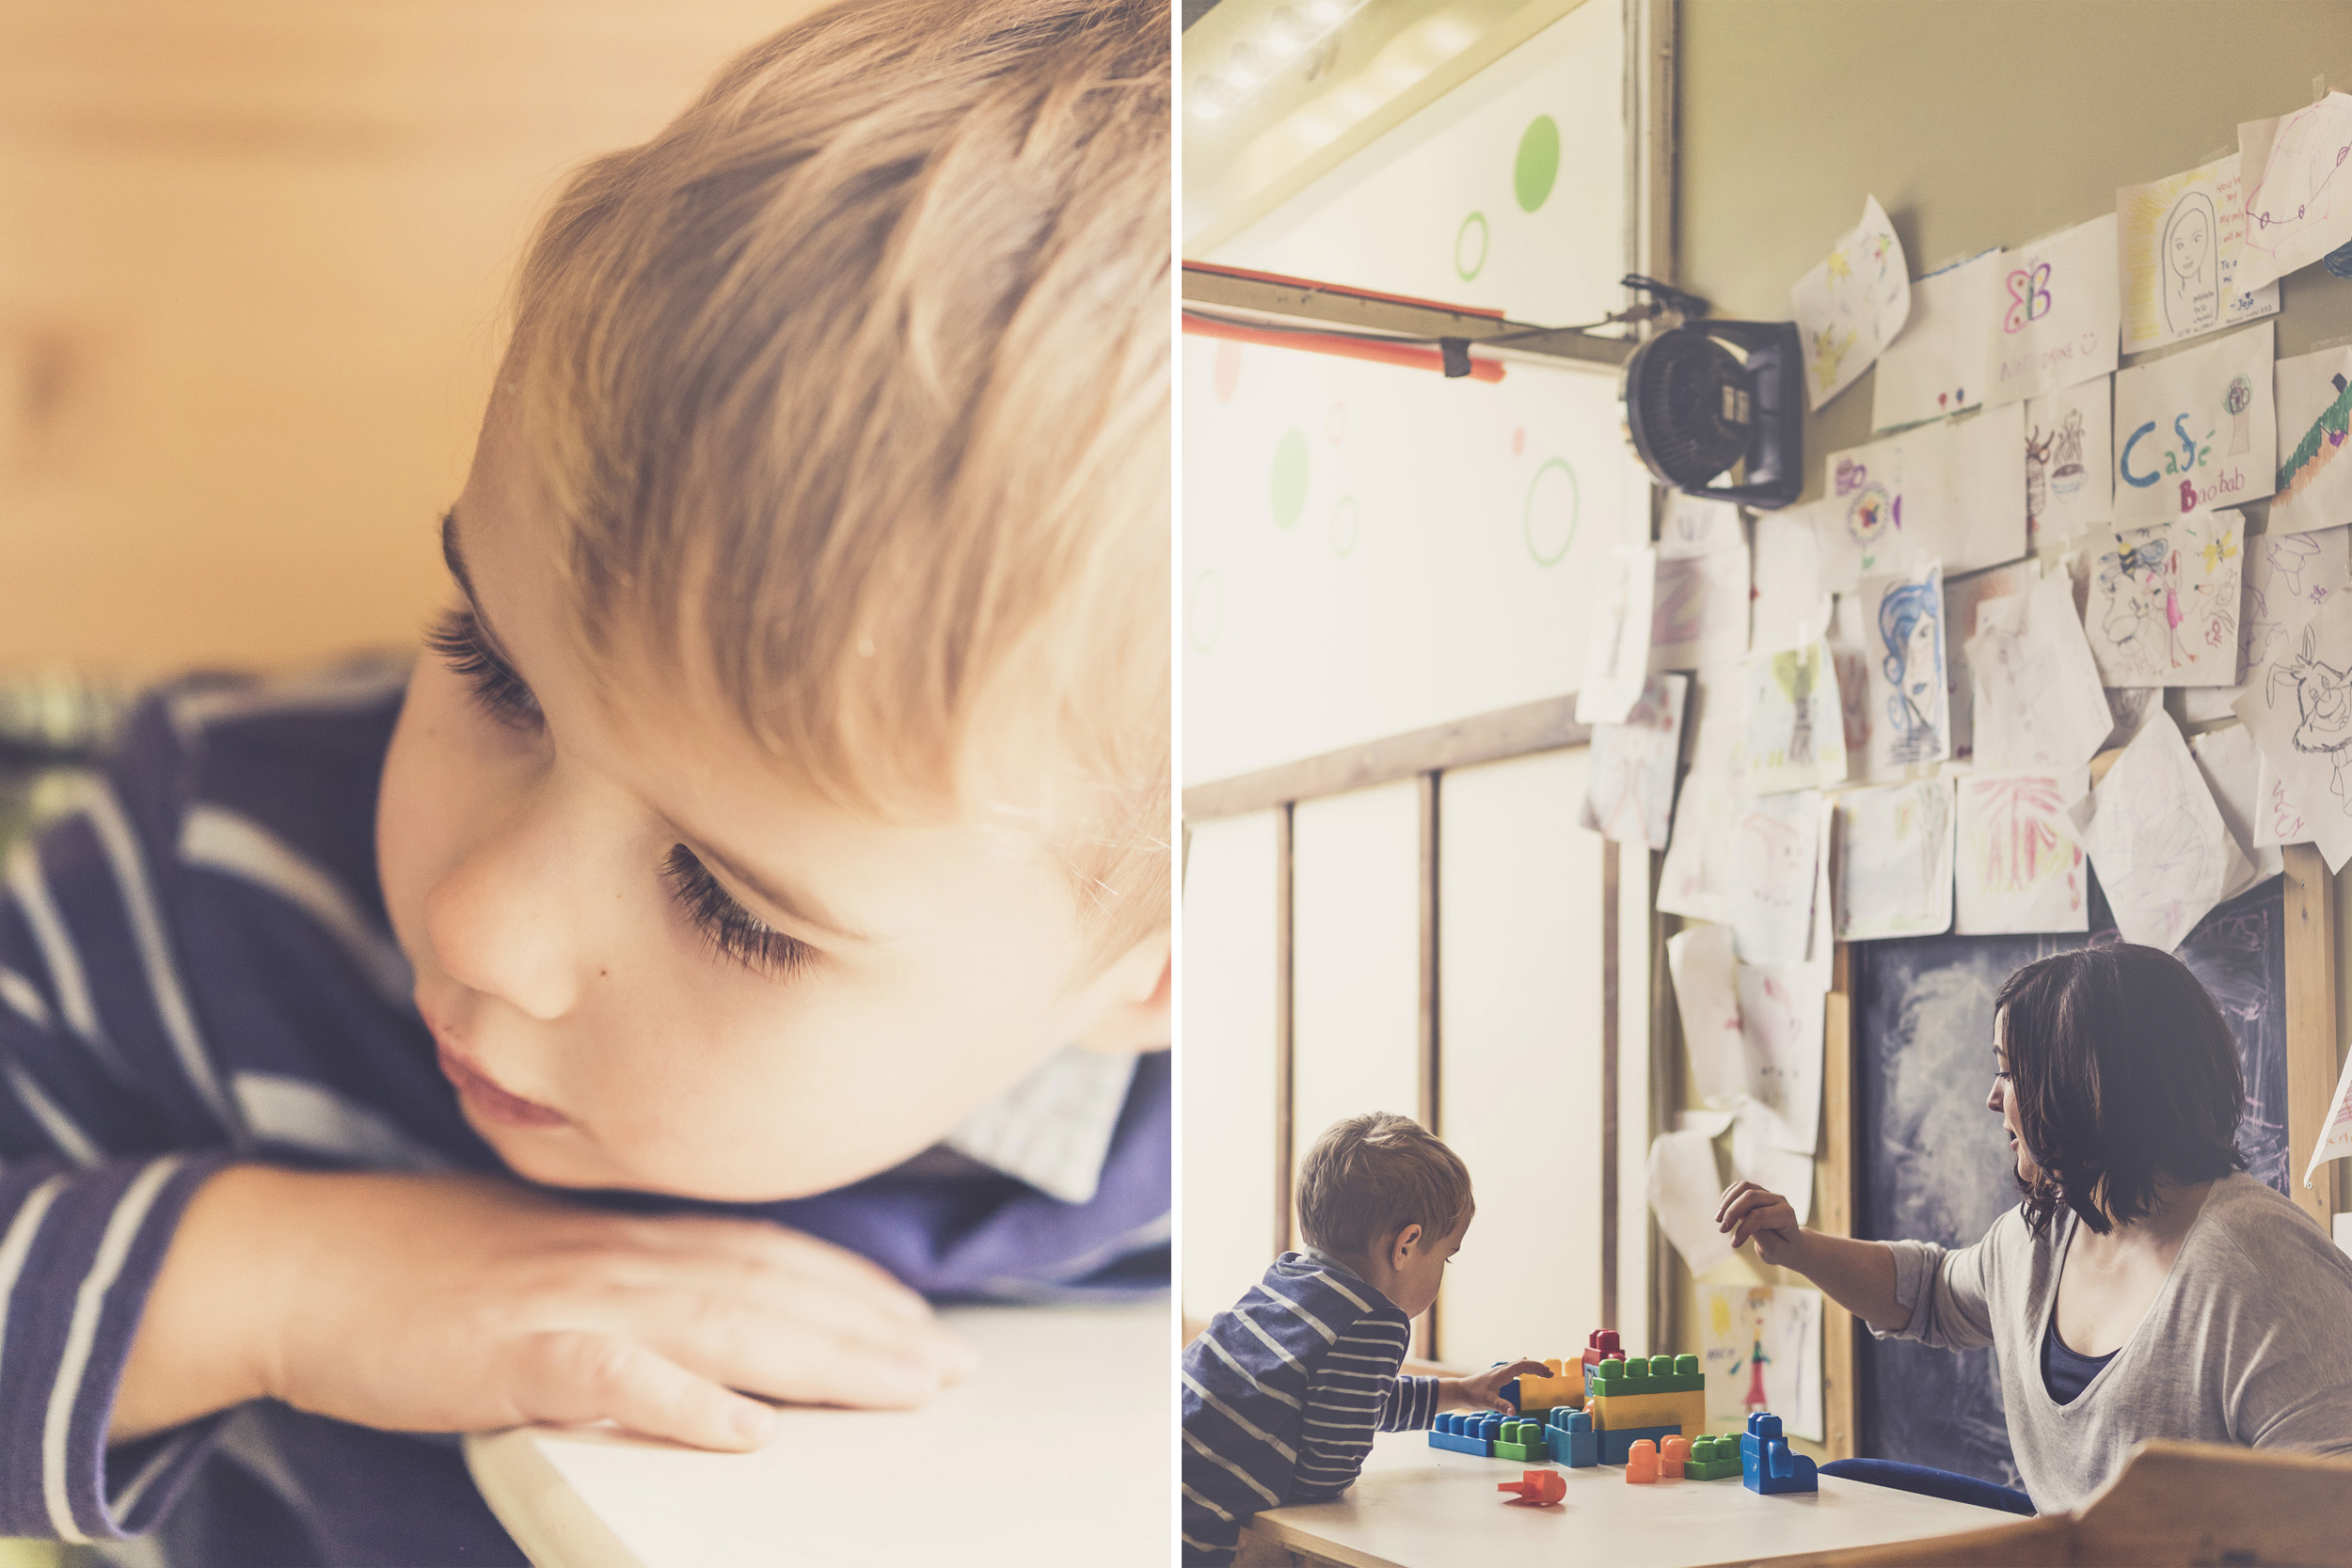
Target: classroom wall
[[252, 259], [1974, 125]]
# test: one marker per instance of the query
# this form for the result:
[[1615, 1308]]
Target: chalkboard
[[1933, 1163]]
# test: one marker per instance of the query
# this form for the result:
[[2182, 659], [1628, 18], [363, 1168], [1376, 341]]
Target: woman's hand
[[463, 1303], [1749, 1213]]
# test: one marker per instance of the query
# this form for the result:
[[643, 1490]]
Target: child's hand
[[1748, 1212], [463, 1303], [1485, 1391]]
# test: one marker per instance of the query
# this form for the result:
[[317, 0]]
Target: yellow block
[[1550, 1393], [1619, 1412]]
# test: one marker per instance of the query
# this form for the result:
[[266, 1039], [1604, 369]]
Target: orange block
[[1641, 1463], [1671, 1456]]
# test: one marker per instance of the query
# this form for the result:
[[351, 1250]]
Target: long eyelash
[[456, 637], [730, 927]]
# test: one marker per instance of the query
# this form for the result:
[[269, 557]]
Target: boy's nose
[[503, 920]]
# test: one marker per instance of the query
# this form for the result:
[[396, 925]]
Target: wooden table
[[1056, 1452], [1420, 1507]]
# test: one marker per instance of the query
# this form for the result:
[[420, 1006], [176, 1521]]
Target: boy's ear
[[1135, 1010], [1404, 1241]]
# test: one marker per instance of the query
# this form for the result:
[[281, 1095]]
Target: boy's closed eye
[[732, 930]]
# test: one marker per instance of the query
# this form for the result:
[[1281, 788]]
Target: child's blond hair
[[1369, 1177], [851, 393]]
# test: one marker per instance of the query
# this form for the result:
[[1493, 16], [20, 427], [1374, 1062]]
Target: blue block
[[1616, 1446], [1458, 1443], [1570, 1437], [1767, 1466]]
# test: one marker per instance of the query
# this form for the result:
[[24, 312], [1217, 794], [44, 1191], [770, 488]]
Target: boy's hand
[[463, 1303], [1748, 1212], [1485, 1391]]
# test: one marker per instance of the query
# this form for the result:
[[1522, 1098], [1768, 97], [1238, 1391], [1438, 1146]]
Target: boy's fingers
[[788, 1358], [795, 1255], [580, 1375]]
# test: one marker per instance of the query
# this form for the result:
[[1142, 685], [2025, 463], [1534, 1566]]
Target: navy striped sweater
[[196, 967], [1282, 1396]]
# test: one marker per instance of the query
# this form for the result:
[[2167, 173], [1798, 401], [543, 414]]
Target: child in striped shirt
[[1282, 1393]]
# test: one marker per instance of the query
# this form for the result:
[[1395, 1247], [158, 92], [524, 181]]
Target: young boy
[[1282, 1394], [635, 1011]]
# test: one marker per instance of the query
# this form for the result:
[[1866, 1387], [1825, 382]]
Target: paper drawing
[[2315, 413], [1788, 607], [2335, 1129], [1850, 305], [2279, 821], [2156, 839], [2053, 313], [2298, 188], [1617, 658], [2070, 462], [2300, 709], [1700, 614], [2179, 241], [1629, 798], [2232, 772], [2195, 431], [1760, 1347], [2020, 866], [1891, 858], [1909, 716], [1936, 366], [1780, 1031], [1700, 865], [1795, 736], [1755, 1158], [2038, 701], [1961, 595], [1775, 842], [1953, 492], [1684, 1188], [1706, 995], [2164, 601]]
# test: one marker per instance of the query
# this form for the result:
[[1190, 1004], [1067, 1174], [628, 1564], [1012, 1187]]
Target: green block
[[1713, 1459], [1540, 1453], [1658, 1374]]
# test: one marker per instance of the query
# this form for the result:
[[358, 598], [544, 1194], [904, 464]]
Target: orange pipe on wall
[[1411, 355]]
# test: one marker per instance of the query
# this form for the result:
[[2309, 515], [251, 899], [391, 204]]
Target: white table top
[[1057, 1450], [1420, 1507]]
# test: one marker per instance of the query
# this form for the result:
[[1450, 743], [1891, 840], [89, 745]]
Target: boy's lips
[[484, 1097]]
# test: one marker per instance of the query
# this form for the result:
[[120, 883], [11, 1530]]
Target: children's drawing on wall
[[2156, 839], [2314, 414], [2053, 313], [1629, 798], [2020, 864], [1700, 615], [1961, 597], [2181, 240], [2164, 603], [1953, 491], [2278, 820], [2289, 578], [1892, 860], [1867, 487], [1909, 724], [2298, 188], [2232, 769], [1706, 995], [1776, 839], [2070, 462], [1760, 1347], [1936, 366], [1795, 736], [2038, 699], [2322, 694], [2191, 431], [1786, 570], [1780, 1034], [1851, 304], [1617, 659]]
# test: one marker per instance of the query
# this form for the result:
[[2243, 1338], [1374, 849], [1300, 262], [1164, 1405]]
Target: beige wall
[[1975, 123], [252, 259]]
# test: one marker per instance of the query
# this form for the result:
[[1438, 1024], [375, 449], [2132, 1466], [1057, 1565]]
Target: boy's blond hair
[[851, 390], [1370, 1176]]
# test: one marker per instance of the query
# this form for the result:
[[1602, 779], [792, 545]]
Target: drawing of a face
[[1919, 659], [2190, 243], [2192, 299]]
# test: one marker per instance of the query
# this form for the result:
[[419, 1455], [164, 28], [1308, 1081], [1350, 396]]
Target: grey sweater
[[2250, 1341]]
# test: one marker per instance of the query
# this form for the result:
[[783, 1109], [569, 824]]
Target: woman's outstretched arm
[[1858, 1275]]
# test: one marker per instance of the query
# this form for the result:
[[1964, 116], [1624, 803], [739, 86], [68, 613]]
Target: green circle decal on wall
[[1290, 478], [1466, 260], [1538, 162], [1553, 500]]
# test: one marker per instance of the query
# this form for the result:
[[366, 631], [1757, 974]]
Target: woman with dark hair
[[2146, 1286]]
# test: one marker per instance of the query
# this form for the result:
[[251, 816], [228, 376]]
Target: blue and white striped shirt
[[195, 968], [1282, 1393]]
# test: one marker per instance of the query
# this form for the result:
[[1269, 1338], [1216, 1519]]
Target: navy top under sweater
[[1282, 1396], [195, 968]]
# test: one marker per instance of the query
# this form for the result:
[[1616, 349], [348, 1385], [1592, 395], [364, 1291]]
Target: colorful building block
[[1474, 1432], [1687, 1410], [1672, 1455], [1600, 1344], [1573, 1441], [1641, 1463], [1713, 1458], [1535, 1488], [1615, 1445], [1563, 1385], [1522, 1442], [1658, 1374], [1767, 1466]]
